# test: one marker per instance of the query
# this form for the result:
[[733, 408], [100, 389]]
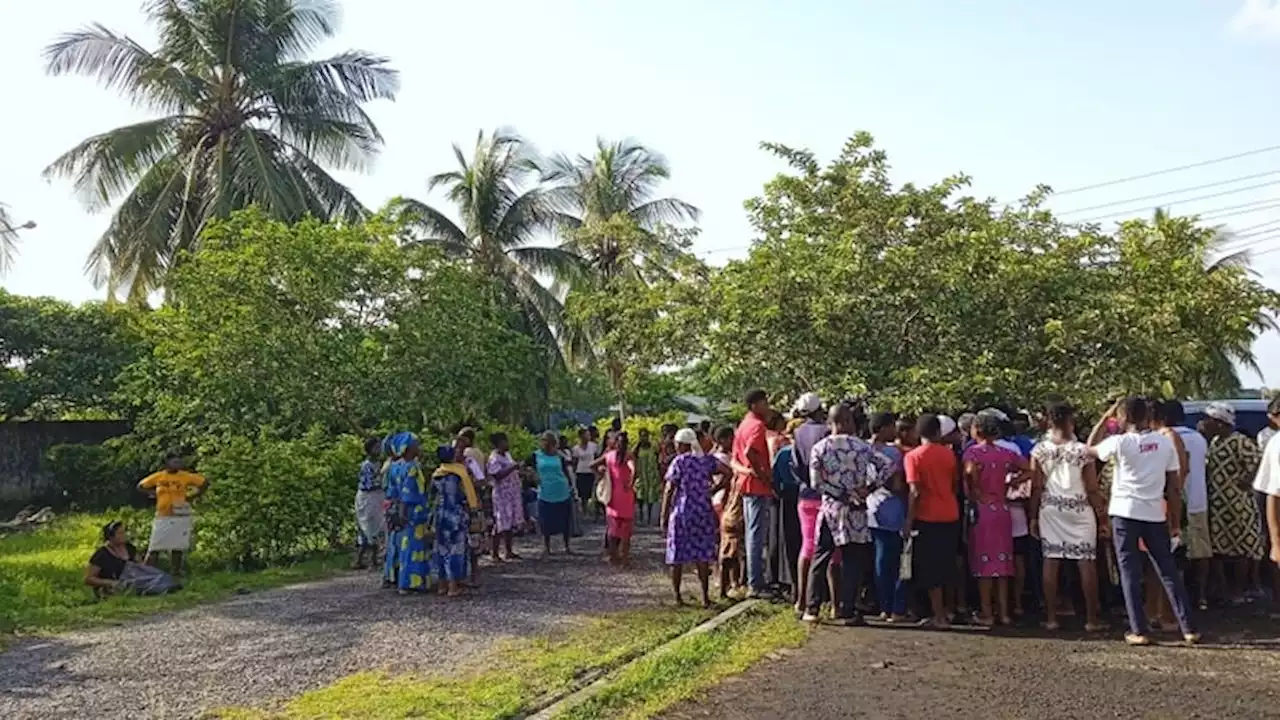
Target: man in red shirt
[[751, 450], [933, 512]]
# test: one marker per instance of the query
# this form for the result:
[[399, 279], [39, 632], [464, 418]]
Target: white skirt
[[370, 518], [1068, 528], [171, 532]]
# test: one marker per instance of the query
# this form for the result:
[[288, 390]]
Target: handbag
[[604, 489], [904, 566]]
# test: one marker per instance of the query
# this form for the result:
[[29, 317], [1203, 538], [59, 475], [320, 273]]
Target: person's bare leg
[[802, 583], [1089, 586], [175, 562], [939, 606], [1002, 595], [724, 578], [1019, 582], [677, 574], [624, 551], [546, 544], [1050, 580], [959, 594], [1201, 567], [704, 581], [833, 588], [984, 602]]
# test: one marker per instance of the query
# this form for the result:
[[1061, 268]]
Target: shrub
[[653, 423], [94, 477], [272, 500]]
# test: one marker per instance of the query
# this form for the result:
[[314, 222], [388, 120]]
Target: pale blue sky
[[1013, 93]]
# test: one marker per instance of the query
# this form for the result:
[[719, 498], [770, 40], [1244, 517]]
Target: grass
[[42, 578], [522, 673], [691, 665]]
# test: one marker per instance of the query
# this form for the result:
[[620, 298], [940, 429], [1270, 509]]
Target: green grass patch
[[522, 672], [691, 665], [42, 578]]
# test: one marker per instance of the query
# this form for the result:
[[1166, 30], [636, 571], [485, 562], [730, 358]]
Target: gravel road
[[263, 647], [901, 673]]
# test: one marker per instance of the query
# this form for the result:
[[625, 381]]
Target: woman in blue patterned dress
[[407, 496], [451, 499], [688, 520]]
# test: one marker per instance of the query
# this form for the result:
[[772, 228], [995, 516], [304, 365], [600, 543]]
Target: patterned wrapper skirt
[[371, 522]]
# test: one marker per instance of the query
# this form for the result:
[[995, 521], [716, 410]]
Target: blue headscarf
[[399, 443], [445, 454]]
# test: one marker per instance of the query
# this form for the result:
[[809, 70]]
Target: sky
[[1014, 94]]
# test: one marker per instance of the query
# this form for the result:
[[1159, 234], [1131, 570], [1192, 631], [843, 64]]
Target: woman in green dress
[[648, 478]]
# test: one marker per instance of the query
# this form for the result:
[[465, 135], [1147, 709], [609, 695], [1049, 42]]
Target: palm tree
[[245, 119], [9, 238], [609, 216], [502, 210], [1220, 253], [621, 179]]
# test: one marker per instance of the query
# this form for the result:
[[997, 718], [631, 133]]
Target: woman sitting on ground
[[114, 567]]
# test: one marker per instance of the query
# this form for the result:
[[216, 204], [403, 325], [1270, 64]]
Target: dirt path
[[897, 673], [276, 644]]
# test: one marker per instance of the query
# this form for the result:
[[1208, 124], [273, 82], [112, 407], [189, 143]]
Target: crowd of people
[[929, 520]]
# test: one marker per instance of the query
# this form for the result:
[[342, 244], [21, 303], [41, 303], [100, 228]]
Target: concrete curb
[[597, 682]]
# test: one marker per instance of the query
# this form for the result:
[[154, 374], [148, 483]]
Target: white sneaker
[[810, 618]]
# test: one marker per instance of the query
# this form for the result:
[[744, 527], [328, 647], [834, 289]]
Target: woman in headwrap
[[451, 501], [1235, 532], [407, 501], [688, 521]]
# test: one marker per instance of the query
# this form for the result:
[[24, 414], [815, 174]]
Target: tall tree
[[608, 213], [245, 118], [621, 179], [502, 209]]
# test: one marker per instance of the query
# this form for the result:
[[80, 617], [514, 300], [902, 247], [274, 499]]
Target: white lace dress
[[1068, 527]]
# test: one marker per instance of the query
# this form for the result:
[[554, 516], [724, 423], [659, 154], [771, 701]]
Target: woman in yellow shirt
[[171, 530]]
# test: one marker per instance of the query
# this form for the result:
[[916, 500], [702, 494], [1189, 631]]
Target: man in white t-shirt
[[1145, 506], [1195, 493], [1267, 484]]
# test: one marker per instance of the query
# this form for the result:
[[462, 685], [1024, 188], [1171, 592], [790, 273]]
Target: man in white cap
[[1234, 530], [1146, 505]]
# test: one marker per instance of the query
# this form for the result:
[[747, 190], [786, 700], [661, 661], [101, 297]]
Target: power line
[[1156, 173], [1167, 193], [1251, 230], [1241, 209], [1210, 196]]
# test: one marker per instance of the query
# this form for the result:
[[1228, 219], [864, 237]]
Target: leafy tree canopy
[[923, 297]]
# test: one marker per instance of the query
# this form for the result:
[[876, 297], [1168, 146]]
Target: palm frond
[[106, 166], [550, 261], [664, 210], [433, 225], [120, 63]]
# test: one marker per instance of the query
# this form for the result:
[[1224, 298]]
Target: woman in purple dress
[[688, 521], [988, 471]]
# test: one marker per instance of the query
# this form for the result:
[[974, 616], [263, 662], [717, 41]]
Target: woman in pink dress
[[508, 501], [988, 470], [620, 513]]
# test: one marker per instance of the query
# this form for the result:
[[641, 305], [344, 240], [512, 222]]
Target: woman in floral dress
[[1066, 511], [688, 521], [987, 469], [450, 500], [508, 499]]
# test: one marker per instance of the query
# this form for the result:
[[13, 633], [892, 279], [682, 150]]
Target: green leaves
[[926, 298], [247, 120]]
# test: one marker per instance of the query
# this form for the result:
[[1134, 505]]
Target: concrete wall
[[23, 478]]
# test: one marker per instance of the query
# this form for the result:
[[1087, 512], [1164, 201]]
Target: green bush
[[652, 423], [94, 477], [271, 500]]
